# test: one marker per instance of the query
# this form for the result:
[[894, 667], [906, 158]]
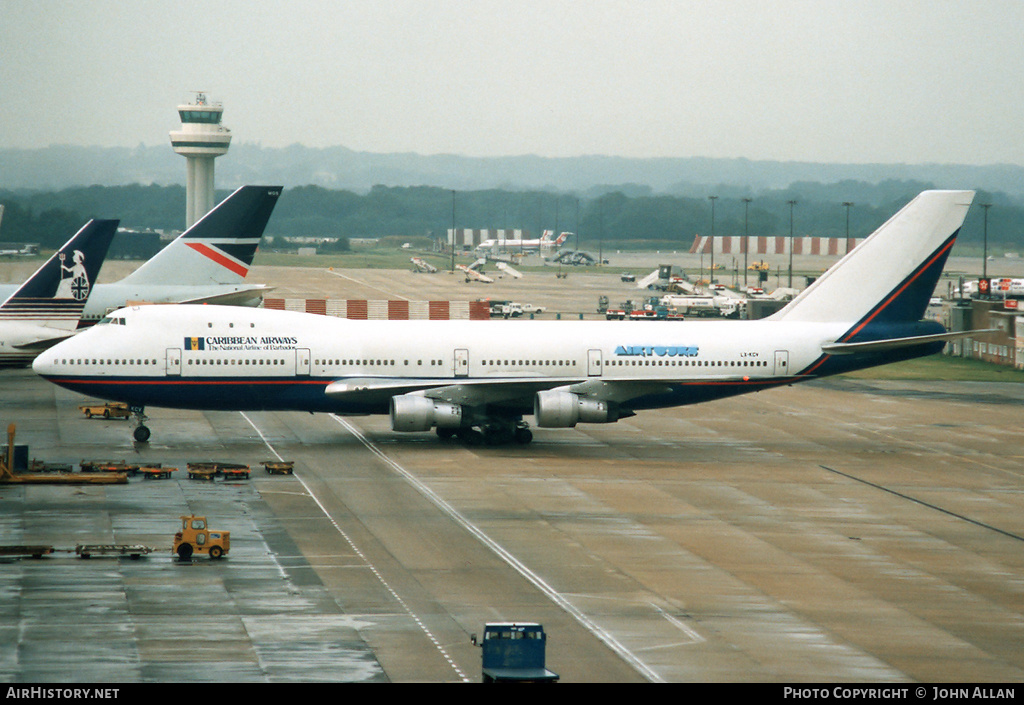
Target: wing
[[469, 392], [511, 394]]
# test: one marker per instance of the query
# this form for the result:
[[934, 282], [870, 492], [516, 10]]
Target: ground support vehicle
[[133, 551], [111, 466], [157, 472], [210, 470], [110, 410], [233, 471], [515, 652], [195, 537], [279, 467], [22, 551]]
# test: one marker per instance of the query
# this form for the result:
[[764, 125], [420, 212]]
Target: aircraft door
[[461, 362], [173, 368], [594, 363], [302, 362], [781, 362]]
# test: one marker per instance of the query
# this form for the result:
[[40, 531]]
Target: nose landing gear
[[138, 418]]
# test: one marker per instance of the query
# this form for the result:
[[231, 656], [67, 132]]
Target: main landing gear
[[138, 419], [493, 433]]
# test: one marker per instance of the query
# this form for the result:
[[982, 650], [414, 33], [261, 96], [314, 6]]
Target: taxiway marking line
[[929, 505], [552, 594], [419, 622]]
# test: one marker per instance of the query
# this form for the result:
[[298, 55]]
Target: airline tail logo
[[74, 280], [223, 259]]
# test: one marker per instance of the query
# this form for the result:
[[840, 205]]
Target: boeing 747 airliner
[[478, 379]]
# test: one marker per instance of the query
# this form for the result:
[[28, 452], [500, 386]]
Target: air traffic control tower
[[200, 140]]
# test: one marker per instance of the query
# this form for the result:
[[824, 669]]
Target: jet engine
[[410, 412], [555, 409]]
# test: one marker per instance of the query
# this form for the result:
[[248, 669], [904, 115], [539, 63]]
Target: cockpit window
[[111, 320]]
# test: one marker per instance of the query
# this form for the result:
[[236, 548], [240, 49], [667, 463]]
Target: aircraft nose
[[43, 364]]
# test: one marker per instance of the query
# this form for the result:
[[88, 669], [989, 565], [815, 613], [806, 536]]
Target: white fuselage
[[238, 358]]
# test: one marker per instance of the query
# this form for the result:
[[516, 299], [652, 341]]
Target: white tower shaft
[[200, 140]]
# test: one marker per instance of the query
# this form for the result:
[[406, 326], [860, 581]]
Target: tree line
[[622, 216]]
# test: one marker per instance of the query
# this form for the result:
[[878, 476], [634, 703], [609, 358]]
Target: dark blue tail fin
[[56, 294], [219, 247]]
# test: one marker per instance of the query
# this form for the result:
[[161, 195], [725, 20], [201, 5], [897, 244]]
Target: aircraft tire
[[523, 436], [498, 436], [141, 433]]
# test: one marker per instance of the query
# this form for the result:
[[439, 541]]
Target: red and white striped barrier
[[775, 245], [385, 310]]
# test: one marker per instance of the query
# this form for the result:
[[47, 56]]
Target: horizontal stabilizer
[[244, 296], [37, 346], [894, 343]]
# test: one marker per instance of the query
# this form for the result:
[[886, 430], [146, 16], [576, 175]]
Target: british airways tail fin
[[56, 294], [883, 285], [219, 247]]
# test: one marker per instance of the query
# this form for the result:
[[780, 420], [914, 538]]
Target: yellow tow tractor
[[195, 537], [109, 410]]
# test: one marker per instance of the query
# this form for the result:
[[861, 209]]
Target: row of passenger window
[[83, 361], [561, 363], [367, 363], [233, 361]]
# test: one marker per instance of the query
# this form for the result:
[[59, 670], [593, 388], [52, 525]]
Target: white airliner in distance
[[207, 263], [478, 379], [48, 306], [546, 241]]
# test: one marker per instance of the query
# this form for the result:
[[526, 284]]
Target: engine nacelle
[[410, 412], [555, 409]]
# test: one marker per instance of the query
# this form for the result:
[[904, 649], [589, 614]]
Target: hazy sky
[[817, 80]]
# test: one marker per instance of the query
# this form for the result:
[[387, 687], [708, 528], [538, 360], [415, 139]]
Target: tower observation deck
[[200, 140]]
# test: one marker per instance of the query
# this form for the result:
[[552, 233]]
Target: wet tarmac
[[840, 531]]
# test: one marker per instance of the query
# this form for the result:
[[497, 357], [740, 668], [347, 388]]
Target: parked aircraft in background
[[546, 241], [478, 379], [23, 251], [205, 264], [48, 306]]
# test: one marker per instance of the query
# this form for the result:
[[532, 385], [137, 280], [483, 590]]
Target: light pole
[[746, 236], [848, 204], [577, 224], [791, 204], [452, 243], [711, 277], [984, 251]]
